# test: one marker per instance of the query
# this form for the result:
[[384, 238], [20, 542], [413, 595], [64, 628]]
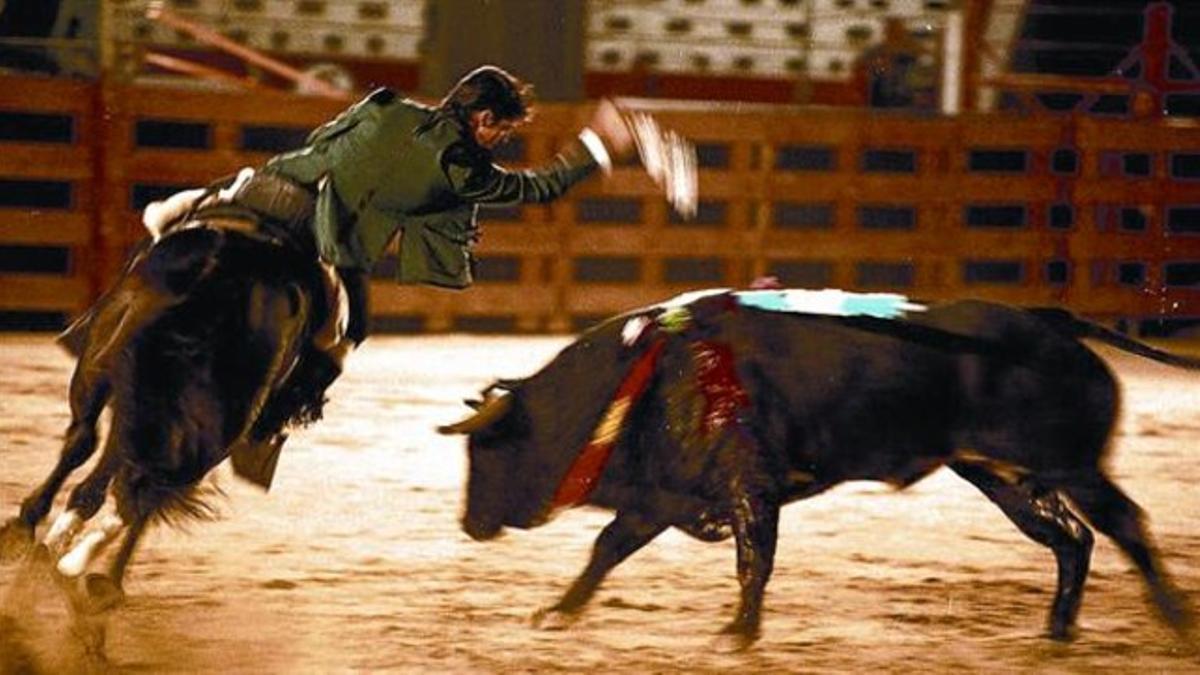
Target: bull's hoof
[[16, 540], [100, 594], [550, 618], [1176, 611], [1063, 634], [735, 637]]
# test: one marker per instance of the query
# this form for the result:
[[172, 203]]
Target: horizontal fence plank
[[1132, 191], [43, 292], [44, 161], [38, 94], [584, 299], [44, 228], [483, 298], [519, 239], [184, 167], [263, 107]]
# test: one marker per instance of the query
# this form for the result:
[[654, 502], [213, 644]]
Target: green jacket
[[388, 164]]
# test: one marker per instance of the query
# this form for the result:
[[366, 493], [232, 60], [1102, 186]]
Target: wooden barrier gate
[[1101, 215]]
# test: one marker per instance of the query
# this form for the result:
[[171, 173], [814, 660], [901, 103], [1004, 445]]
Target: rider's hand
[[609, 124]]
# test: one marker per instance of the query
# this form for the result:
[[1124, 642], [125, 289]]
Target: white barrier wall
[[754, 38], [818, 39], [382, 29]]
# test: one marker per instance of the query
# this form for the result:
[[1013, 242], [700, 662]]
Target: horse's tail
[[176, 505], [1068, 324]]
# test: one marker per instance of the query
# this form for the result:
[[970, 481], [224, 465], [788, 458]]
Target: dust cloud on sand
[[354, 561]]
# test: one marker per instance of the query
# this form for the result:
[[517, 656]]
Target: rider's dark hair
[[489, 88]]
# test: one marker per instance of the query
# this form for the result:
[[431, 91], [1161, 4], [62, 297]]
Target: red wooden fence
[[1100, 215]]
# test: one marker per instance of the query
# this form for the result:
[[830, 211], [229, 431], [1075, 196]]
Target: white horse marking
[[90, 544], [64, 529]]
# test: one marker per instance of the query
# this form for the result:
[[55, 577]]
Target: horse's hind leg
[[106, 591], [1118, 517], [1043, 517], [88, 394]]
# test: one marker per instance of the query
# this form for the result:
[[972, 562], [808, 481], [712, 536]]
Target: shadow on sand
[[41, 627]]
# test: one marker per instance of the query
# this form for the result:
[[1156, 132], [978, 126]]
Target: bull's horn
[[491, 410]]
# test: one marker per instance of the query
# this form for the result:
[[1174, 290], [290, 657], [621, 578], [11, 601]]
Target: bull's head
[[493, 437]]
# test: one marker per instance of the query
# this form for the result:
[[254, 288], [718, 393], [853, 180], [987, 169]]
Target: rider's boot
[[298, 401]]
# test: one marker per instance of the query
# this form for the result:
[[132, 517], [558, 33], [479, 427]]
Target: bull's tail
[[1067, 323]]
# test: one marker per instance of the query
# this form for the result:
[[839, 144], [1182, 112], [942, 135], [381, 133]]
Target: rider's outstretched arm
[[476, 179]]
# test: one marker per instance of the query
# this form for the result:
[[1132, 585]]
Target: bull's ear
[[492, 410]]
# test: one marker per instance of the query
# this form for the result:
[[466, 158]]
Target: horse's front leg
[[75, 554], [84, 502], [627, 533], [88, 394]]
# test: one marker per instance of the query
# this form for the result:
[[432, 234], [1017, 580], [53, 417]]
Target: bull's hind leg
[[627, 533], [1118, 517], [1043, 517], [88, 394], [105, 592]]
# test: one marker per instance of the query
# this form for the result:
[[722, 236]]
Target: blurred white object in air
[[670, 159]]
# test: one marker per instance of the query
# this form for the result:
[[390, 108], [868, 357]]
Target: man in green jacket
[[388, 164]]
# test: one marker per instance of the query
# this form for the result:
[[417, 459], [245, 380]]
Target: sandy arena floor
[[354, 561]]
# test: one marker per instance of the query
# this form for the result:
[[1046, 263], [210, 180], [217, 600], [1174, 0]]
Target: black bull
[[187, 350], [1009, 399]]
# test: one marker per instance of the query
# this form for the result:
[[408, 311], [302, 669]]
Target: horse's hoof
[[101, 594], [553, 619], [15, 656], [16, 540]]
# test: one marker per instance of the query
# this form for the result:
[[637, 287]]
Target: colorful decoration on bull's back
[[716, 374]]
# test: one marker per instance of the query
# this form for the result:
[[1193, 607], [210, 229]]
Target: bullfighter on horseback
[[384, 165], [233, 318]]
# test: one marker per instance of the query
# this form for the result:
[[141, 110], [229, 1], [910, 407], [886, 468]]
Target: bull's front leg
[[755, 529], [627, 533]]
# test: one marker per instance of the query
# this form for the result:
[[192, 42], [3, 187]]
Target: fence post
[[110, 143]]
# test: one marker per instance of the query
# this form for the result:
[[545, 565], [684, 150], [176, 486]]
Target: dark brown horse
[[192, 352]]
